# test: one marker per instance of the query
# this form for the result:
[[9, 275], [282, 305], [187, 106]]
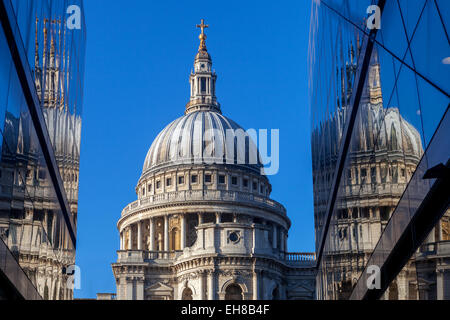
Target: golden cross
[[202, 26]]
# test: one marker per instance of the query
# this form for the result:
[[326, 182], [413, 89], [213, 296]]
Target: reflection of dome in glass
[[386, 129], [376, 128]]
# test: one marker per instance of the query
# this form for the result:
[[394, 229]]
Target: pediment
[[301, 286], [159, 286]]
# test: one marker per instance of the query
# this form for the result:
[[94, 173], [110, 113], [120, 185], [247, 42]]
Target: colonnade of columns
[[279, 235], [279, 238]]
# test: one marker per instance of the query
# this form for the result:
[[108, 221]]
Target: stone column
[[255, 285], [200, 219], [281, 236], [254, 238], [139, 235], [378, 173], [183, 232], [440, 284], [152, 235], [122, 291], [53, 228], [166, 233], [285, 247], [129, 286], [121, 240], [130, 238], [274, 236], [202, 289], [283, 239], [210, 283], [402, 286], [217, 217], [46, 221], [140, 289]]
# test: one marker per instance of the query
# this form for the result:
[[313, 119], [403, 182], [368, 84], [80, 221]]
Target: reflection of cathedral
[[202, 228], [59, 109], [30, 216], [384, 153]]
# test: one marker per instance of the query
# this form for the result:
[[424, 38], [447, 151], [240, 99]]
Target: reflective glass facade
[[41, 92], [379, 102]]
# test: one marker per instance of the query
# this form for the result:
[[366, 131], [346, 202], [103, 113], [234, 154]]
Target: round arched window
[[233, 292], [187, 294], [234, 237]]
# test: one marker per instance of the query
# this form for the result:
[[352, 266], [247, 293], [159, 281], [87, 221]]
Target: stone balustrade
[[300, 256], [136, 256], [203, 100], [203, 195], [441, 248], [142, 256], [379, 189]]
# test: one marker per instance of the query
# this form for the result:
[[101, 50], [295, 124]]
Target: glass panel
[[429, 48], [392, 34], [411, 11], [333, 53], [398, 114], [32, 225], [56, 57], [443, 7]]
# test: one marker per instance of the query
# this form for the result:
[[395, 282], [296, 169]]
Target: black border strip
[[8, 21]]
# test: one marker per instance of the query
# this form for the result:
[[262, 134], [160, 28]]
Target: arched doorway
[[233, 292], [187, 294], [393, 291]]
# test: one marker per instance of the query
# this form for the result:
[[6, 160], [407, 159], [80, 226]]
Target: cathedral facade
[[204, 226]]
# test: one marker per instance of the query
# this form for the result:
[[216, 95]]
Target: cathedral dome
[[398, 134], [378, 129], [386, 130], [201, 138]]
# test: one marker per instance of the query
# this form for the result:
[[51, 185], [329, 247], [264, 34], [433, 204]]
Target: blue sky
[[138, 59]]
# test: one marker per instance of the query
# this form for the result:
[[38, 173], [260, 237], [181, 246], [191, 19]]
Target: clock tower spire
[[203, 79]]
